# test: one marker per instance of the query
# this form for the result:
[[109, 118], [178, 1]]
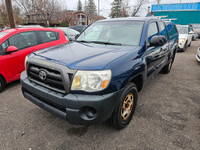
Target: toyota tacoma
[[98, 76]]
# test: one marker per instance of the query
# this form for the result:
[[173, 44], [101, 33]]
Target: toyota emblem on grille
[[42, 75]]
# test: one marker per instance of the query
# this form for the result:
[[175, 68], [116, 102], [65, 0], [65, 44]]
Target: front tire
[[190, 44], [185, 46], [2, 84], [124, 111]]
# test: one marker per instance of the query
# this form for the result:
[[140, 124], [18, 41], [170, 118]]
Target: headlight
[[25, 62], [182, 40], [91, 81]]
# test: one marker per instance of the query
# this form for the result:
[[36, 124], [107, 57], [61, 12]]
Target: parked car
[[185, 37], [16, 43], [24, 26], [29, 26], [198, 54], [98, 76], [196, 28], [69, 33], [194, 35], [78, 28]]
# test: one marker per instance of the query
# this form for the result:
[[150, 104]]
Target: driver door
[[155, 55], [152, 53]]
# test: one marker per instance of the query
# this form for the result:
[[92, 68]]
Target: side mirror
[[77, 36], [11, 49], [158, 40], [71, 39]]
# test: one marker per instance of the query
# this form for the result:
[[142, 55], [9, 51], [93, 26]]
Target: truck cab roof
[[131, 19]]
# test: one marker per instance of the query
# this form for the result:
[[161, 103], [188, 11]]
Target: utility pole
[[10, 13], [98, 7]]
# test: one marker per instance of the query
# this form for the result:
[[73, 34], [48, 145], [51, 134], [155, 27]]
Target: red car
[[17, 43]]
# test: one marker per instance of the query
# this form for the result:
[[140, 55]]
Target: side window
[[4, 46], [162, 29], [171, 30], [152, 31], [23, 40], [47, 36]]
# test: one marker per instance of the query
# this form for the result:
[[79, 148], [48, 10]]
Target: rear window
[[48, 36], [2, 34]]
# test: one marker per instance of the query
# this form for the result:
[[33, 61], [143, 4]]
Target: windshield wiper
[[106, 43], [100, 42], [83, 41]]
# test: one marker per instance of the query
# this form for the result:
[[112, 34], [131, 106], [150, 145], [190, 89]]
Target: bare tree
[[138, 6], [48, 9], [4, 21]]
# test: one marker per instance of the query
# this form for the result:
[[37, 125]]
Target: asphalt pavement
[[167, 117]]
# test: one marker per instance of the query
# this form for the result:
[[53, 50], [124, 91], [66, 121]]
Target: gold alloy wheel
[[127, 106]]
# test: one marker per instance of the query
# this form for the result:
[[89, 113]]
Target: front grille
[[52, 78]]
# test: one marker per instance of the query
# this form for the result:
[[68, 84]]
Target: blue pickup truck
[[98, 77]]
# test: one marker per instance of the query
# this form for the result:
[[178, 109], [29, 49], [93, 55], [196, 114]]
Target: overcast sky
[[105, 5]]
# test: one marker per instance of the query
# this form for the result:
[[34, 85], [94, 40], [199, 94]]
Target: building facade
[[182, 13]]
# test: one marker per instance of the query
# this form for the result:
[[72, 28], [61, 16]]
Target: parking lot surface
[[167, 117]]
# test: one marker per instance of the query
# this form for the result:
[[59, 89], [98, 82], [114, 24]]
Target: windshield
[[69, 31], [182, 30], [119, 33], [2, 34]]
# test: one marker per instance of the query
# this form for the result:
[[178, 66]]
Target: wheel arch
[[3, 78], [138, 81]]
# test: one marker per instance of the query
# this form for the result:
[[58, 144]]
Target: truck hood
[[84, 56]]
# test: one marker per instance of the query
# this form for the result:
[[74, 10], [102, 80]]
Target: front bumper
[[181, 45], [77, 109]]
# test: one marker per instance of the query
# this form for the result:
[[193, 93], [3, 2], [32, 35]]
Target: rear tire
[[124, 111], [167, 68], [2, 84]]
